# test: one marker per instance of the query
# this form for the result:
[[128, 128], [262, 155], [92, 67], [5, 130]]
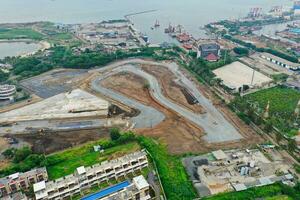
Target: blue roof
[[107, 191], [295, 30]]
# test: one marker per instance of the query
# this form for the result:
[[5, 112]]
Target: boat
[[156, 25]]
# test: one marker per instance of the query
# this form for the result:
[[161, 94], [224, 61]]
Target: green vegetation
[[267, 50], [241, 51], [19, 33], [297, 168], [3, 76], [272, 192], [173, 176], [283, 102], [279, 77], [203, 68], [22, 160], [114, 134], [67, 161], [64, 57]]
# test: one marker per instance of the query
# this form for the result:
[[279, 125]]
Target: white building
[[7, 92], [280, 61], [86, 177]]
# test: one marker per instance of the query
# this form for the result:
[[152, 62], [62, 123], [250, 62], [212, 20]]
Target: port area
[[237, 170], [151, 98]]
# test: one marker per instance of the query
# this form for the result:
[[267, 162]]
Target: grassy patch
[[173, 176], [271, 192], [283, 102], [67, 161], [279, 197], [19, 33], [256, 192]]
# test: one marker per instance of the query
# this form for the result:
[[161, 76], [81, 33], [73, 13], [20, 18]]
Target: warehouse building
[[280, 61], [86, 177]]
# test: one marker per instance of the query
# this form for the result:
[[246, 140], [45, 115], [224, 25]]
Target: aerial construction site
[[160, 100]]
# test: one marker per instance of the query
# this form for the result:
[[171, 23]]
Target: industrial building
[[280, 61], [137, 189], [209, 52], [7, 92], [86, 177], [19, 181], [235, 170]]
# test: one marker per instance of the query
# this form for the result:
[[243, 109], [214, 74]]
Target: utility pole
[[252, 79]]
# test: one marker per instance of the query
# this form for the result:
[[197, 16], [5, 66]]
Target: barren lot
[[237, 74], [54, 82], [171, 87], [56, 141], [180, 135]]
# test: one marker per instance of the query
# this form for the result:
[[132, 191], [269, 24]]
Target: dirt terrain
[[52, 142], [179, 135], [170, 87]]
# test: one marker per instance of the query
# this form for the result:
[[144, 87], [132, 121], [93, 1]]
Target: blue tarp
[[107, 191]]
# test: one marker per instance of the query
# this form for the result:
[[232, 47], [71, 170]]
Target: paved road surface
[[148, 116], [217, 128]]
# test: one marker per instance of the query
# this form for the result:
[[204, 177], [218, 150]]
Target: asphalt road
[[216, 127]]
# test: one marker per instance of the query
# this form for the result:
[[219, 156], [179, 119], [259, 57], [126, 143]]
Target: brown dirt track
[[180, 135]]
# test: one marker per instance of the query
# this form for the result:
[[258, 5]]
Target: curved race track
[[216, 127]]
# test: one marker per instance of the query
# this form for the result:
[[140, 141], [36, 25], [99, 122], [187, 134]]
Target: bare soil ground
[[20, 104], [3, 144], [52, 142], [179, 135], [170, 87]]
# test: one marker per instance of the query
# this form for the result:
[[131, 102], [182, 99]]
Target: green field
[[283, 102], [19, 33], [67, 161], [276, 191], [170, 168]]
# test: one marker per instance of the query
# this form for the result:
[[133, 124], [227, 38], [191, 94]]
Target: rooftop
[[140, 182], [209, 47], [16, 176], [107, 191], [268, 55]]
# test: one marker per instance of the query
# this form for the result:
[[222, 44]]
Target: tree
[[114, 134], [279, 136], [241, 51], [22, 154], [9, 153], [268, 126], [292, 145]]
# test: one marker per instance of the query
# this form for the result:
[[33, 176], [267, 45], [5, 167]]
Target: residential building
[[15, 196], [137, 189], [210, 52], [19, 181], [86, 177]]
